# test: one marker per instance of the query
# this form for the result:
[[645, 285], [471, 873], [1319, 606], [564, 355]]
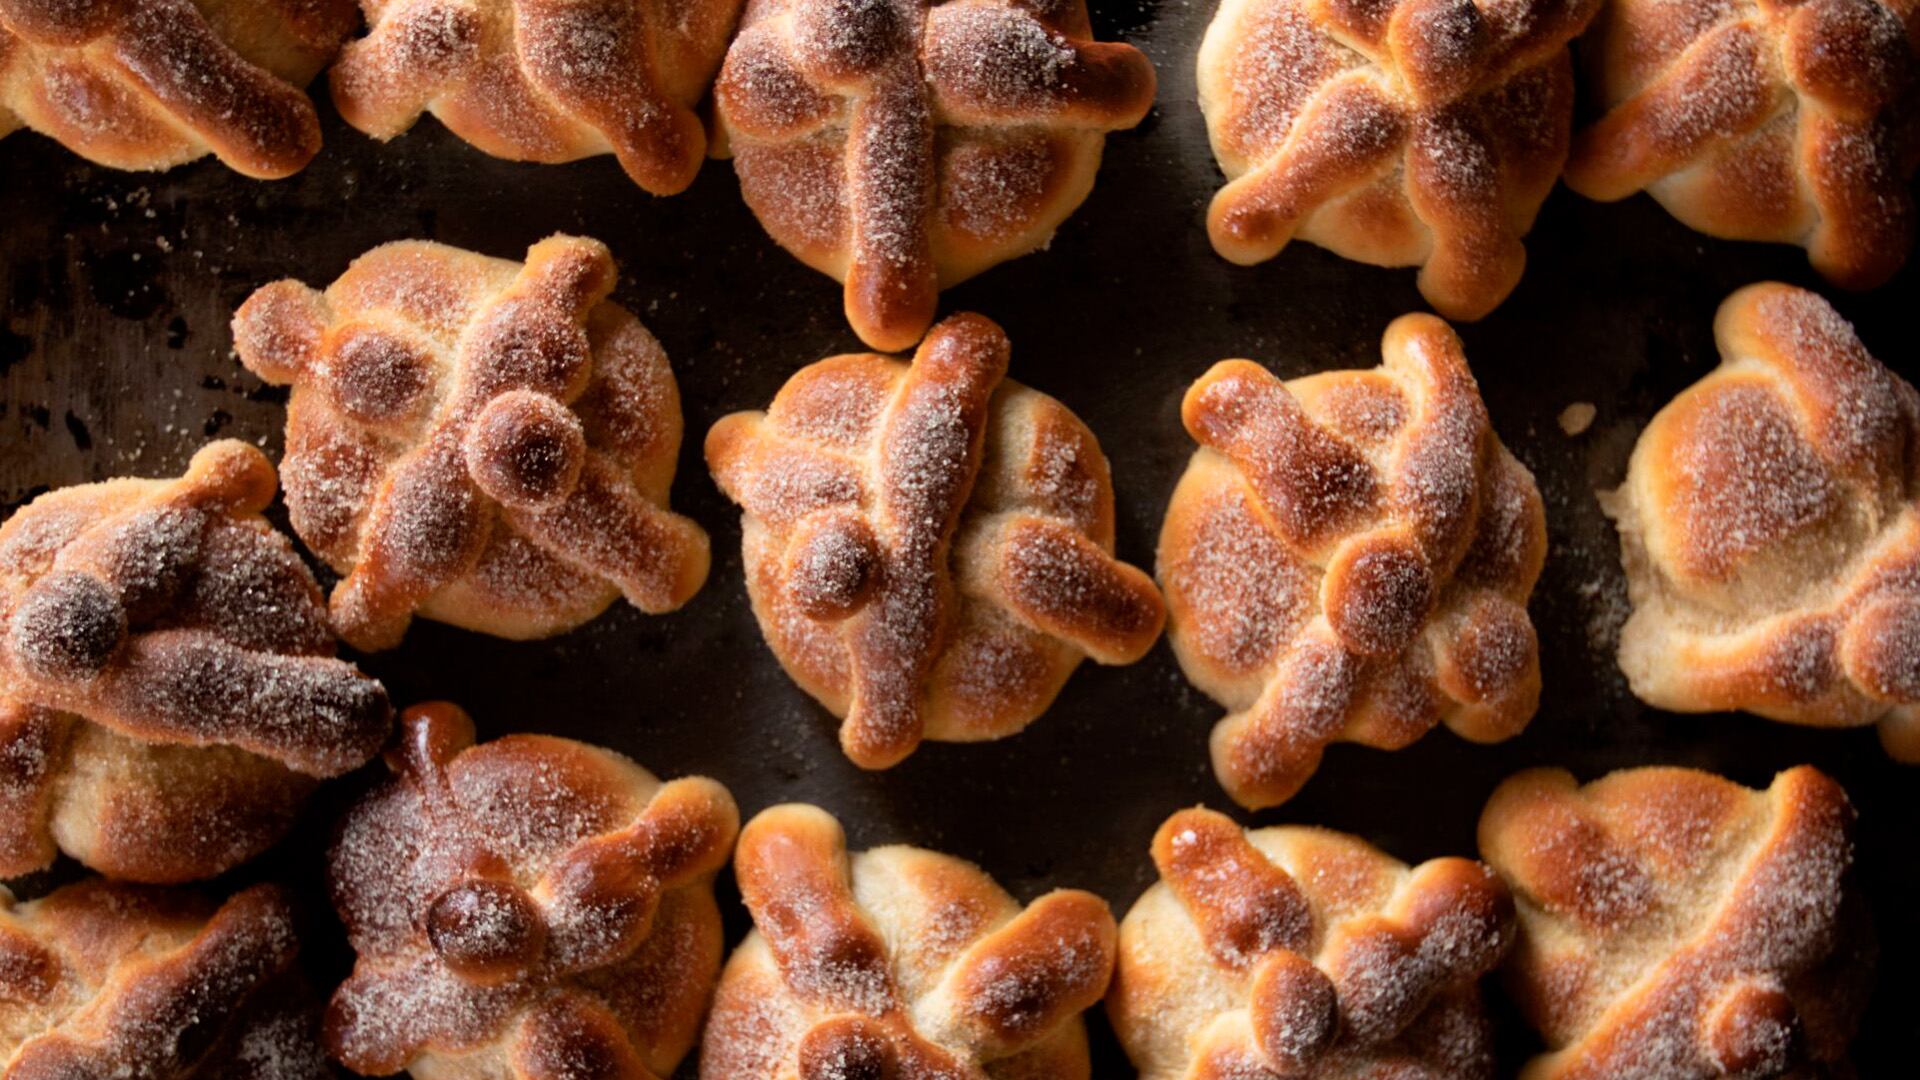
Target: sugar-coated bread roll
[[106, 979], [929, 546], [544, 80], [1797, 123], [479, 441], [904, 146], [899, 963], [532, 908], [1301, 952], [150, 84], [168, 690], [1771, 533], [1348, 557], [1675, 924], [1400, 133]]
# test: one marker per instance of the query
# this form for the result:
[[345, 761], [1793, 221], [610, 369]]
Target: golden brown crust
[[1676, 924], [105, 979], [1348, 558], [533, 904], [149, 84], [929, 548], [899, 962], [1794, 121], [167, 682], [1415, 132], [479, 441], [544, 80], [1770, 530], [1296, 952], [906, 145]]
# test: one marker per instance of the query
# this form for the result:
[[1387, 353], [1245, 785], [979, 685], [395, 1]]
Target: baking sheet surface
[[115, 359]]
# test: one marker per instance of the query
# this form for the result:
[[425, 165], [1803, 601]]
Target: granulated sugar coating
[[1432, 146], [537, 81], [1300, 951], [170, 691], [1748, 125], [929, 546], [532, 897], [149, 84], [1719, 940], [937, 138], [1348, 557], [115, 980], [898, 962], [1768, 524], [483, 442]]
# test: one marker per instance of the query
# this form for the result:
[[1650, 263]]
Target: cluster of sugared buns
[[929, 548], [900, 146], [1658, 922], [903, 146], [1428, 132]]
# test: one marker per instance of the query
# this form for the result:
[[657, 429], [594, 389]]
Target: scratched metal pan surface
[[116, 359]]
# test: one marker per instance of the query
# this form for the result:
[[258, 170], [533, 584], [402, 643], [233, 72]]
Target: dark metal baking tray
[[115, 359]]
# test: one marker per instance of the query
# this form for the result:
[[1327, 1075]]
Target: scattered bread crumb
[[1576, 418]]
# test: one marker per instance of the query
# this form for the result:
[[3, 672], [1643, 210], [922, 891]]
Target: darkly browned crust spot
[[149, 84], [908, 118], [1010, 982], [1794, 122], [1450, 116], [929, 548], [1354, 565], [1677, 924], [169, 616], [535, 897], [1769, 527], [108, 979], [545, 80], [484, 442], [1345, 960]]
